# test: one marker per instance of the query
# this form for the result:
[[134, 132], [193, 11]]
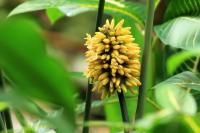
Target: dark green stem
[[145, 60], [5, 115], [2, 124], [100, 14], [89, 91], [123, 108], [87, 106], [7, 119]]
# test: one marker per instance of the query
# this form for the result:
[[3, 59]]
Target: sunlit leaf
[[182, 32], [173, 93]]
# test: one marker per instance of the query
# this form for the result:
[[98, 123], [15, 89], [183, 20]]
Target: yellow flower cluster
[[113, 59]]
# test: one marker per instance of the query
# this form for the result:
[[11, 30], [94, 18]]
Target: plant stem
[[7, 119], [146, 60], [89, 91], [194, 69], [100, 14], [5, 115], [87, 106], [2, 124], [123, 107]]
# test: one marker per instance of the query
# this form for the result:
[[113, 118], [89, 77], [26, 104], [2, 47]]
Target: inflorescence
[[113, 59]]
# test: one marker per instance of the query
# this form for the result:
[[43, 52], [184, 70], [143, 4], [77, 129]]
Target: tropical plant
[[35, 82]]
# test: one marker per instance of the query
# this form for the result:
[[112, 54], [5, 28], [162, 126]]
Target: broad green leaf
[[173, 93], [182, 8], [182, 32], [31, 70], [174, 61], [70, 7]]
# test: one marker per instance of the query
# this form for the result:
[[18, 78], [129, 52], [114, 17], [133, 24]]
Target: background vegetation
[[42, 64]]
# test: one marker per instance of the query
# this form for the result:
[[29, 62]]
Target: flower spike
[[113, 59]]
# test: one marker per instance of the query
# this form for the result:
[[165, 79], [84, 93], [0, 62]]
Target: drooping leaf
[[182, 8], [173, 93], [182, 32], [31, 70], [70, 8]]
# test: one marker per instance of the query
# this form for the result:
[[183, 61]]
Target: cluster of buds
[[113, 59]]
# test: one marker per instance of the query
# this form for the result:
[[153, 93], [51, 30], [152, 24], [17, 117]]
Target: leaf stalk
[[89, 90], [145, 60]]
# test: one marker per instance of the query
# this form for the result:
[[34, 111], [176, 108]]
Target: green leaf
[[135, 12], [17, 101], [174, 61], [166, 121], [173, 93], [32, 72], [54, 14], [3, 105], [182, 32], [173, 124], [182, 8], [149, 121], [77, 74]]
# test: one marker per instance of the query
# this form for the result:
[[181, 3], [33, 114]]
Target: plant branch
[[196, 64], [89, 91], [146, 59]]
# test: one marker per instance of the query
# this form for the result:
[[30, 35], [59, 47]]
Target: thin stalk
[[89, 91], [7, 119], [20, 117], [2, 124], [146, 60], [6, 116], [194, 69], [100, 14], [87, 106], [123, 108]]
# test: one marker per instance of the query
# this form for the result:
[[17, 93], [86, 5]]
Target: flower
[[113, 59]]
